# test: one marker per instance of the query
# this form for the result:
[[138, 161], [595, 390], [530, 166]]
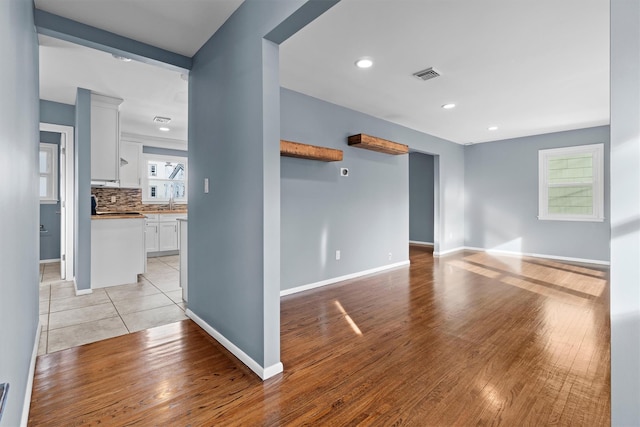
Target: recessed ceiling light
[[449, 106], [121, 58], [364, 63], [492, 128], [164, 129]]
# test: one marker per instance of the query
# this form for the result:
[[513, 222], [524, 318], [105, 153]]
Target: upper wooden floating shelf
[[311, 152], [377, 144]]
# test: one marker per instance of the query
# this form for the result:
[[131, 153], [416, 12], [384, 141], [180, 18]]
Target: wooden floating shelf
[[377, 144], [311, 152]]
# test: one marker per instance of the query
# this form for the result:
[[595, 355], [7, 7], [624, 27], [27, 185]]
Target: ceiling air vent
[[427, 74], [161, 120]]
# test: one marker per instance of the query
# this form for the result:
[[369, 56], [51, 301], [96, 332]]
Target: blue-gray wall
[[164, 151], [502, 199], [49, 218], [19, 194], [421, 186], [57, 113], [625, 213], [234, 230], [364, 215], [82, 154]]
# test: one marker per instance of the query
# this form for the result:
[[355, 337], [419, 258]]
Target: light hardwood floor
[[468, 339]]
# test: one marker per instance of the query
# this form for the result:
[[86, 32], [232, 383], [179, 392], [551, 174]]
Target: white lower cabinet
[[151, 237], [161, 232], [168, 235]]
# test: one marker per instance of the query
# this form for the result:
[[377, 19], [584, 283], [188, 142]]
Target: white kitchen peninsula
[[117, 249]]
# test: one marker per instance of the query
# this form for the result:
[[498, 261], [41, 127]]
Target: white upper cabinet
[[130, 155], [105, 138]]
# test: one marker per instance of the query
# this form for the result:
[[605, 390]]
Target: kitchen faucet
[[171, 201]]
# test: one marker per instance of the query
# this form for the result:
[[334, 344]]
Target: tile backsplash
[[127, 199]]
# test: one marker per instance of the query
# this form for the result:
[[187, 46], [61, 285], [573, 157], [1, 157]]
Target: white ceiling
[[180, 26], [147, 90], [526, 66]]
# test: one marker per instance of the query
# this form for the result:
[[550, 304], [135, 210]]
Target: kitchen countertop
[[123, 216], [139, 214]]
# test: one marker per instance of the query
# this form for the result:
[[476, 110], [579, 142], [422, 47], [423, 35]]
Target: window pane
[[571, 169], [162, 190], [43, 186], [574, 200], [44, 161]]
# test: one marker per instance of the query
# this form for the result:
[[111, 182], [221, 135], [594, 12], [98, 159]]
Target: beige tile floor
[[69, 320]]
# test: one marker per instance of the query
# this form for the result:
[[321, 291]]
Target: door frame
[[66, 195]]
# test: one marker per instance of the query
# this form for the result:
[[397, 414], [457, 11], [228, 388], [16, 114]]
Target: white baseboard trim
[[342, 278], [263, 373], [26, 406], [48, 261], [448, 252], [418, 242], [81, 291], [533, 255]]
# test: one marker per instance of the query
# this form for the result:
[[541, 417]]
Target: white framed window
[[48, 160], [165, 179], [571, 183]]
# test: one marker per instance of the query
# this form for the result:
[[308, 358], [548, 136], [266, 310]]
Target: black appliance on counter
[[94, 205]]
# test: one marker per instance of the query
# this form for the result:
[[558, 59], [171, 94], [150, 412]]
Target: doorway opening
[[423, 200], [56, 221]]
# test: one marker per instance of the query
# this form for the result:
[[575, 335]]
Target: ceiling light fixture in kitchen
[[364, 63], [164, 129], [492, 128], [449, 106]]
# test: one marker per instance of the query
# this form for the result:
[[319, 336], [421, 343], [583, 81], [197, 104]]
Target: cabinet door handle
[[156, 227], [175, 228]]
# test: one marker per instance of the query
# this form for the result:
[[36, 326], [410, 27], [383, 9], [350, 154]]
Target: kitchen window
[[48, 160], [571, 183], [165, 179]]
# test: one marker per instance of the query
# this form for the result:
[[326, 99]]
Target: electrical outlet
[[113, 199], [206, 185], [390, 256], [337, 255]]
